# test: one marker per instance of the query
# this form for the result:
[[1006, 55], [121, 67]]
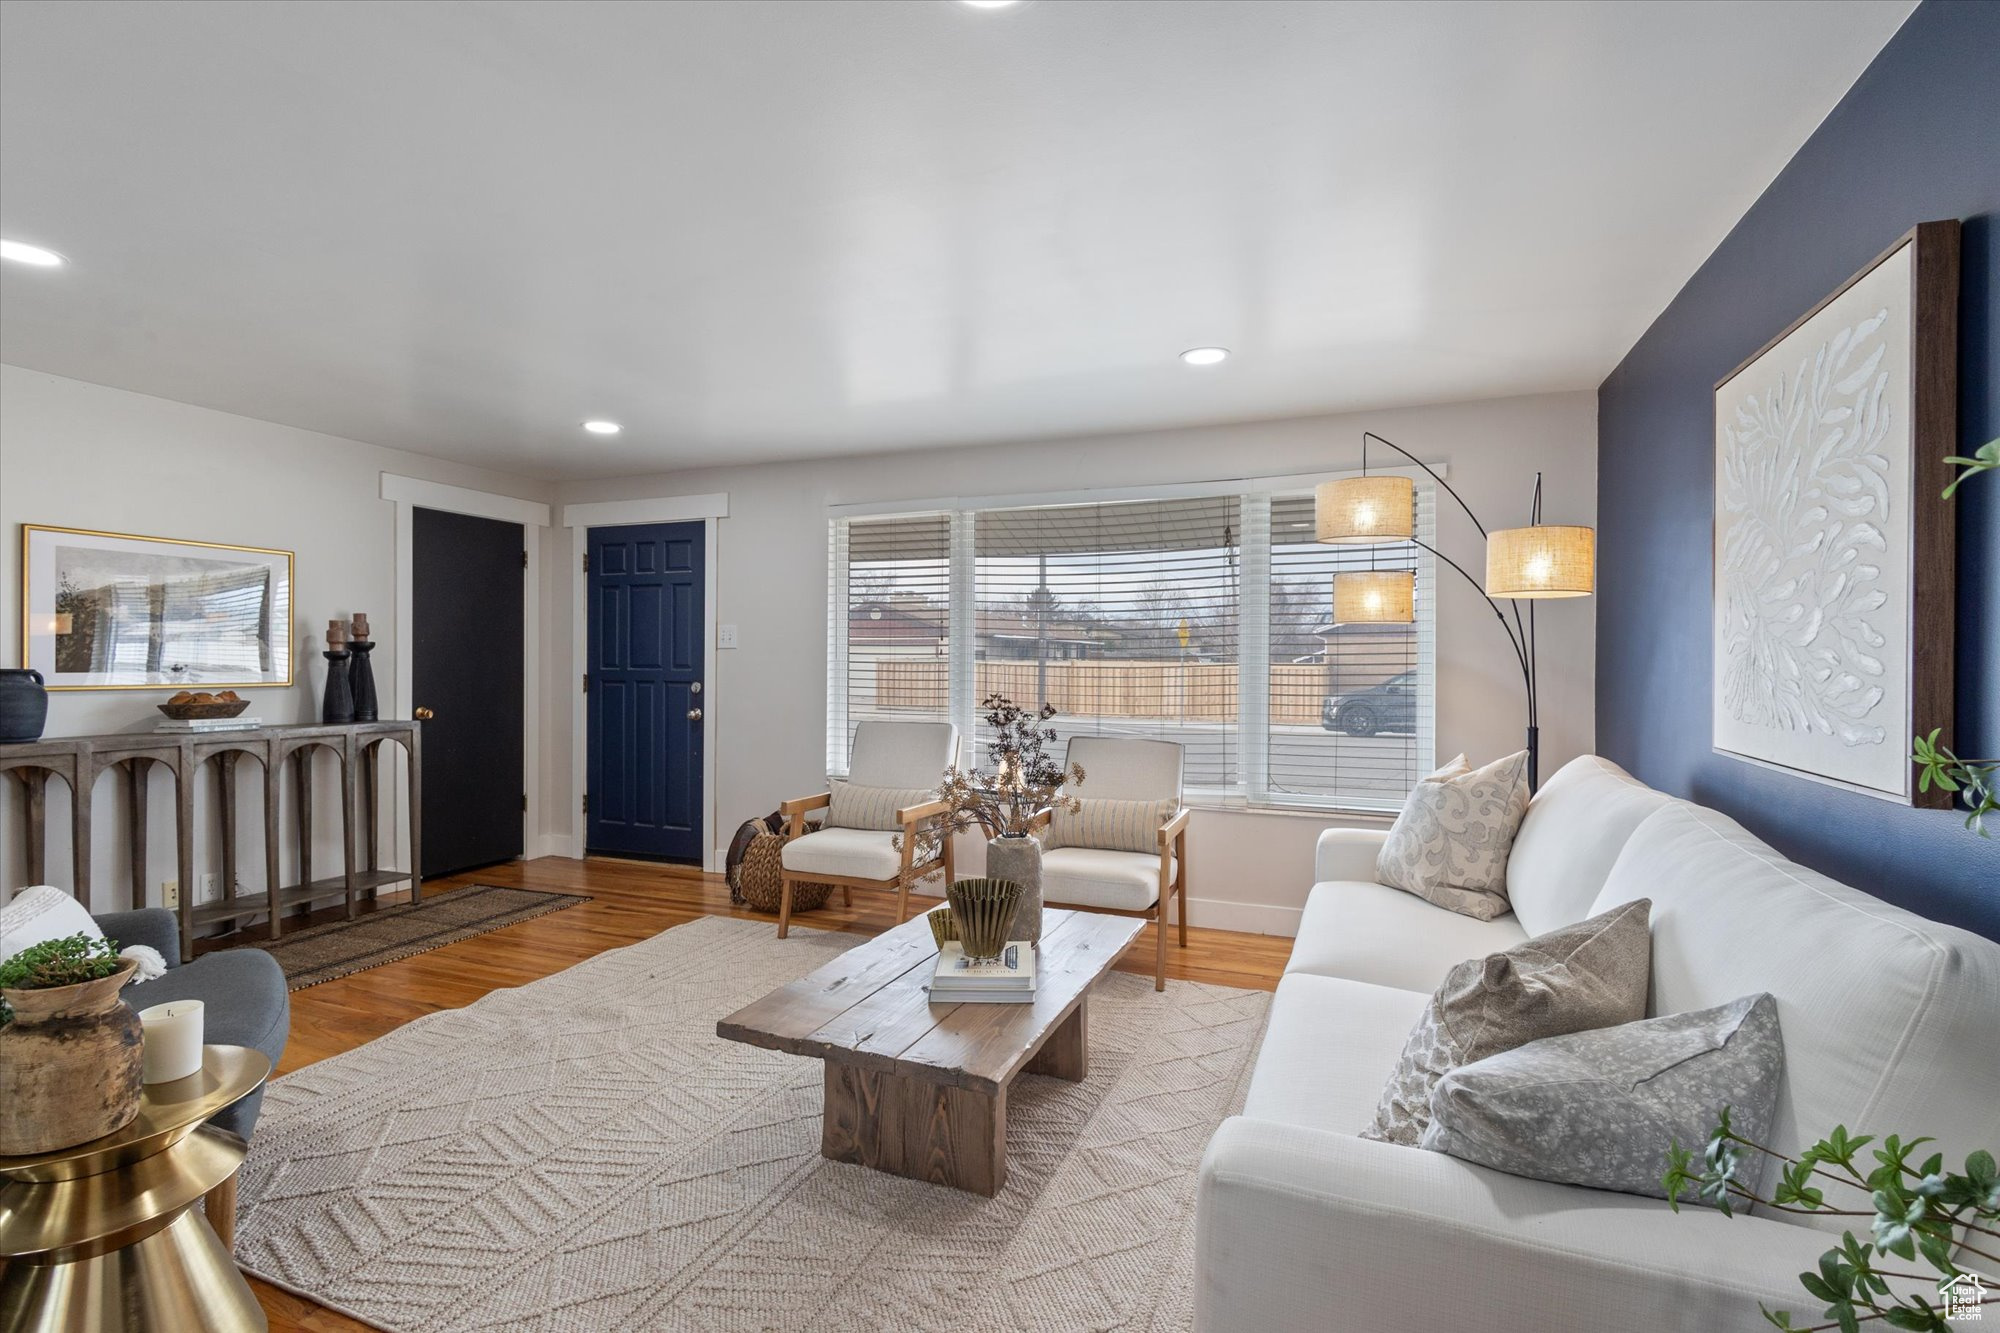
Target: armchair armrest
[[794, 811], [1348, 853], [912, 815], [1173, 829], [1291, 1223], [155, 927]]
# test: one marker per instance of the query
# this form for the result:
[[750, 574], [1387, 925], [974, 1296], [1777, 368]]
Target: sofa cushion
[[1450, 843], [1574, 829], [1327, 1048], [848, 852], [1589, 975], [1602, 1108], [1091, 877], [1889, 1018], [1366, 931]]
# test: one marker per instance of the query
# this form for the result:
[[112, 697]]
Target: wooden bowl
[[227, 708]]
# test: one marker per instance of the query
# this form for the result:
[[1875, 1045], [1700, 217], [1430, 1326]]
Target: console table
[[79, 760]]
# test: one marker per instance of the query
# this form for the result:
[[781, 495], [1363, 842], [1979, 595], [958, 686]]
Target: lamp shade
[[1365, 509], [1375, 597], [1547, 560]]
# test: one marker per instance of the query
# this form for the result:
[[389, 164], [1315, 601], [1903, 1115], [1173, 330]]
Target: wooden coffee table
[[920, 1089]]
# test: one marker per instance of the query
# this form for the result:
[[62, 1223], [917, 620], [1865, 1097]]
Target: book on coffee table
[[1008, 979]]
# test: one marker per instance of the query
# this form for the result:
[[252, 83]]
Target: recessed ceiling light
[[1205, 356], [602, 427], [23, 253]]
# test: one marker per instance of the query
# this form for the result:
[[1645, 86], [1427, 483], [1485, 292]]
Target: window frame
[[1251, 787]]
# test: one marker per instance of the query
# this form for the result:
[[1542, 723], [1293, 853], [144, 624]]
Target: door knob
[[694, 715], [422, 714]]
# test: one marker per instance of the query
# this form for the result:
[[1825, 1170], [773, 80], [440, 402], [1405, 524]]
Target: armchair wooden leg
[[784, 905], [220, 1205], [902, 899], [847, 895], [950, 865], [1182, 893], [1160, 929], [1180, 882]]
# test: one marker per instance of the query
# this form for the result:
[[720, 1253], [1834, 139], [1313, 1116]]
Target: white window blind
[[1202, 620]]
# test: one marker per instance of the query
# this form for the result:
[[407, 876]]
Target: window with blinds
[[1202, 620]]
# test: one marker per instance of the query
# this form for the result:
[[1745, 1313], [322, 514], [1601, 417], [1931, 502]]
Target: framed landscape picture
[[113, 611], [1833, 547]]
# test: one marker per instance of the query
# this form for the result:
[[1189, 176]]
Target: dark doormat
[[313, 954]]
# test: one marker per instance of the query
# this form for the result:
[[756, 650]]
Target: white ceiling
[[776, 230]]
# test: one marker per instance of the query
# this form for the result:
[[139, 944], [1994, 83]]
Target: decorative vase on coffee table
[[1018, 857], [983, 910], [70, 1065]]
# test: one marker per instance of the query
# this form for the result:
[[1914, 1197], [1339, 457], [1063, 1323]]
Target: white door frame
[[410, 494], [580, 519]]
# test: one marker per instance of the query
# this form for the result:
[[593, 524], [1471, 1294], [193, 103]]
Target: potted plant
[[1010, 803], [71, 1053]]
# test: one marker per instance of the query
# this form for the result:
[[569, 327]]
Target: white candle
[[173, 1040]]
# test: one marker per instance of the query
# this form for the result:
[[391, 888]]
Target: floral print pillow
[[1450, 844]]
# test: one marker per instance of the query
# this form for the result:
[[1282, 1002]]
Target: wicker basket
[[761, 880]]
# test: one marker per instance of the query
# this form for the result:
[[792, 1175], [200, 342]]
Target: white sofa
[[1891, 1024]]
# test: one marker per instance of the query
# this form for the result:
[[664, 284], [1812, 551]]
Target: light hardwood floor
[[630, 901]]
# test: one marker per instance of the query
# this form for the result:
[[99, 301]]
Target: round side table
[[106, 1236]]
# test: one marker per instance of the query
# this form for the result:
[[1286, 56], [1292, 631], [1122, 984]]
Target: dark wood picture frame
[[1933, 410]]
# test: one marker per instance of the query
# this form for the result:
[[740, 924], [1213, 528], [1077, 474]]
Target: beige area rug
[[585, 1154], [336, 949]]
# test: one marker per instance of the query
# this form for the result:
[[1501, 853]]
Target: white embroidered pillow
[[1450, 844], [855, 806]]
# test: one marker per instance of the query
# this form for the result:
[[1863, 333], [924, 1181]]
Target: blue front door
[[644, 700]]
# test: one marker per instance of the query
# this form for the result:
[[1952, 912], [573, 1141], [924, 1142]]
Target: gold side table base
[[177, 1280]]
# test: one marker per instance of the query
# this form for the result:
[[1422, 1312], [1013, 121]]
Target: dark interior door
[[467, 671], [644, 708]]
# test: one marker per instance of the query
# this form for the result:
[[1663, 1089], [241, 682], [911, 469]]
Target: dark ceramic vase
[[361, 680], [24, 705], [337, 705]]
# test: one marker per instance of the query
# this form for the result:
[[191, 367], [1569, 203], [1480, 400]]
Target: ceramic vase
[[983, 910], [361, 681], [337, 705], [71, 1065], [1018, 857], [24, 704]]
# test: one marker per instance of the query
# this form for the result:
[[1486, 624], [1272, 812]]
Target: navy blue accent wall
[[1916, 139]]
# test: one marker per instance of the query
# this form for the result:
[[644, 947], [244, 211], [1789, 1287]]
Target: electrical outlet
[[208, 888], [170, 893], [725, 636]]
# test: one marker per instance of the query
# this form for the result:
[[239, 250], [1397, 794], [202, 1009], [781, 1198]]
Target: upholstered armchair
[[1113, 876], [892, 780]]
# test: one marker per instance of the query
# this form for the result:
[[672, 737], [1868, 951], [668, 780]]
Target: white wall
[[1248, 870], [80, 455]]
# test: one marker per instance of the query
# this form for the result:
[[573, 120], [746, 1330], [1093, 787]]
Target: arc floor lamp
[[1522, 564]]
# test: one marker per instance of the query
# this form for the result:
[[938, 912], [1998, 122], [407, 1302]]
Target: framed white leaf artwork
[[1833, 544]]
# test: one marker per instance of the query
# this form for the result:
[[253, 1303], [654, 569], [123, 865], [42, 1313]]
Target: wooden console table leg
[[274, 786], [371, 764], [1066, 1053], [220, 1205], [302, 764], [81, 773], [909, 1127], [416, 866], [36, 780], [226, 779], [184, 770], [349, 780], [138, 776]]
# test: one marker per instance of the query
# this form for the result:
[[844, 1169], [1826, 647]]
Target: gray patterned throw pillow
[[1589, 975], [1600, 1108], [1449, 846]]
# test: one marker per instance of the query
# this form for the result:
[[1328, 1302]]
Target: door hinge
[[586, 682], [524, 803], [524, 558], [586, 562], [586, 803]]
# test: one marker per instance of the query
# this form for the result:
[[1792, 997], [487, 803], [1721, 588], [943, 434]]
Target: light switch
[[725, 636]]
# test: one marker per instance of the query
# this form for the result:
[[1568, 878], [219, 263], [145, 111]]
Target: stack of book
[[1008, 979], [210, 723]]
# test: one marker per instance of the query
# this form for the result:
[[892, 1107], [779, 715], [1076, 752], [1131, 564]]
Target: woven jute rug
[[334, 949], [584, 1153]]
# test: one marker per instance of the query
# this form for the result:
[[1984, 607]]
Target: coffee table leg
[[1066, 1054], [909, 1127]]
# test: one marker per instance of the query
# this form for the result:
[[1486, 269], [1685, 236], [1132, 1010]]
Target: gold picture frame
[[123, 611]]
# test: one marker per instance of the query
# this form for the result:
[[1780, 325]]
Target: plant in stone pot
[[71, 1054], [1009, 801]]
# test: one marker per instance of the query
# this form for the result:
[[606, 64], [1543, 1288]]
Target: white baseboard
[[1251, 918]]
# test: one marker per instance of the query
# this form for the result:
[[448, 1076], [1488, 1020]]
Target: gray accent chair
[[242, 991]]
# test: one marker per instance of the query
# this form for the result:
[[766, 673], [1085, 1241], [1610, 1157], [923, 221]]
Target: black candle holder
[[338, 703], [361, 674]]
